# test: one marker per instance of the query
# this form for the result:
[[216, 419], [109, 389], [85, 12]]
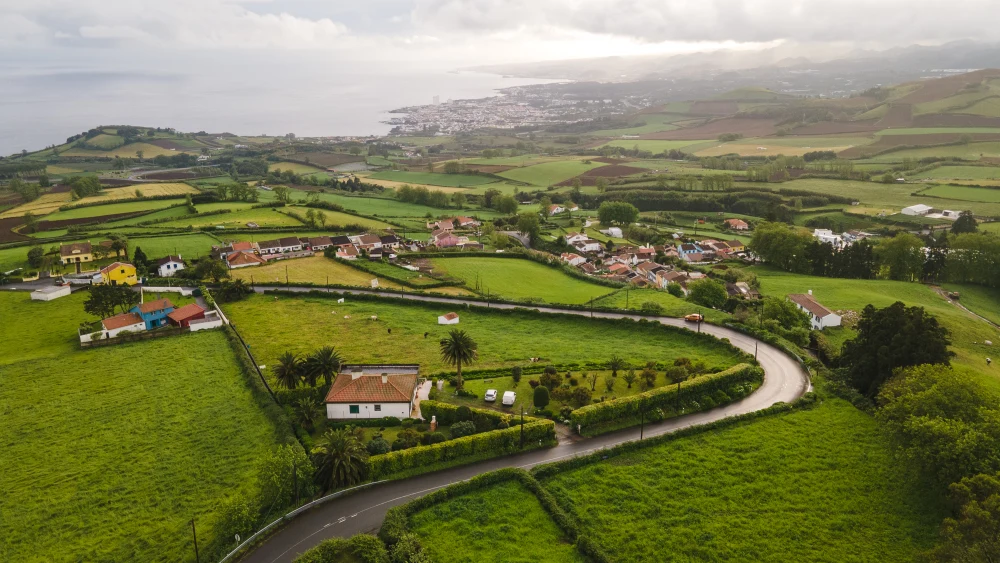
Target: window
[[354, 409], [378, 408]]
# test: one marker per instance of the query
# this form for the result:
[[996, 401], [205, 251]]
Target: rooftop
[[155, 305], [397, 388], [124, 319], [809, 303]]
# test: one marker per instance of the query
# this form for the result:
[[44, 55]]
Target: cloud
[[889, 21]]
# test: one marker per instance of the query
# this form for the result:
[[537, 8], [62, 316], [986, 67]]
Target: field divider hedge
[[694, 395]]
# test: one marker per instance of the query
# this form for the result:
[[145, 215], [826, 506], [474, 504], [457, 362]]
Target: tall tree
[[972, 535], [901, 257], [340, 460], [457, 350], [891, 338], [288, 370], [966, 223], [616, 363]]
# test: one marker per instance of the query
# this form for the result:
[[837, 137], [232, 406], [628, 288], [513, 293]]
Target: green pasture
[[549, 173], [190, 246], [505, 338], [814, 485], [491, 525], [112, 208], [989, 107], [644, 123], [511, 278], [654, 146], [263, 216], [964, 193], [296, 167], [171, 431], [961, 173], [940, 130], [434, 178], [971, 151], [984, 301]]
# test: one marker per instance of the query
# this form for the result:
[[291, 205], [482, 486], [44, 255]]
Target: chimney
[[356, 374], [385, 378], [810, 292]]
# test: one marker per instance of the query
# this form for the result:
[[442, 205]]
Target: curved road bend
[[784, 381]]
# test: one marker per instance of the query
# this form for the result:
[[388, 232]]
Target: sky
[[455, 33]]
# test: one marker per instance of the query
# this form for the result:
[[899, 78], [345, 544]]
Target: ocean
[[42, 103]]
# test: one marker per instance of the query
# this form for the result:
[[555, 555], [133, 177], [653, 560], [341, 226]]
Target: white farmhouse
[[819, 316], [827, 236], [917, 210], [360, 395], [448, 319], [167, 267], [50, 292]]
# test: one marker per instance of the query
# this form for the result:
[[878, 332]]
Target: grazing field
[[433, 178], [149, 150], [765, 148], [815, 485], [549, 173], [967, 332], [112, 208], [296, 167], [51, 202], [993, 227], [106, 141], [523, 160], [383, 207], [656, 147], [644, 123], [392, 184], [964, 193], [190, 246], [263, 216], [505, 338], [983, 301], [939, 130], [490, 525], [154, 451], [972, 151], [633, 299], [318, 270], [518, 279], [961, 172]]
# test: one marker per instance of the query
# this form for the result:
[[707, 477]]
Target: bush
[[541, 397], [432, 438], [364, 547], [463, 413], [533, 383], [378, 446], [515, 374], [464, 428], [675, 400]]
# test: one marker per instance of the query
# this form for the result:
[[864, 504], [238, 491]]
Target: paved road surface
[[784, 381]]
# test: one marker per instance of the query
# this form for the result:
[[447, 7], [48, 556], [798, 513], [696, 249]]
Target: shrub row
[[690, 396], [361, 547], [485, 445]]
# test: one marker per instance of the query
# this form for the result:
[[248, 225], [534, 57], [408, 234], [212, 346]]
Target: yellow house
[[736, 246], [119, 273], [76, 253]]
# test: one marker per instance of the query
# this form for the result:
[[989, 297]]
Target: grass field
[[961, 172], [989, 107], [633, 299], [519, 279], [148, 151], [314, 269], [967, 332], [50, 203], [787, 147], [433, 178], [522, 160], [972, 151], [504, 338], [491, 525], [993, 227], [154, 451], [984, 301], [265, 217], [190, 246], [549, 173], [296, 167], [816, 485], [965, 193], [655, 147], [111, 208], [939, 130], [644, 123]]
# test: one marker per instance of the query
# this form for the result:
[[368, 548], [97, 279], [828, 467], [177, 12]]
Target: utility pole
[[642, 418], [286, 275], [755, 350], [194, 534]]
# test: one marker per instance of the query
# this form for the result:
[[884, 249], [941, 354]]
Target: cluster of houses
[[152, 315], [841, 241], [348, 247], [443, 233]]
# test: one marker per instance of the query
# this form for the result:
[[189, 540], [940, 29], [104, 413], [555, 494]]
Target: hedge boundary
[[685, 398]]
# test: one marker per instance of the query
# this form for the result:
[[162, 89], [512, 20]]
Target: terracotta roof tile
[[186, 312], [370, 389], [809, 303], [118, 321]]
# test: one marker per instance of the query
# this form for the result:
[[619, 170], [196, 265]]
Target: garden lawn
[[549, 173], [117, 448], [434, 178], [513, 278], [816, 485], [505, 338], [318, 270], [492, 525]]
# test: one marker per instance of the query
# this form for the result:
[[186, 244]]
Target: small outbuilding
[[51, 292], [448, 319]]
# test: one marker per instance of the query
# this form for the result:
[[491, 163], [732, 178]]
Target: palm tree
[[306, 411], [457, 350], [341, 460], [288, 372], [616, 363], [324, 362]]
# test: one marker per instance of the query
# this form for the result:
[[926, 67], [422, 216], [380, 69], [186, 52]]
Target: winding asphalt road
[[785, 380]]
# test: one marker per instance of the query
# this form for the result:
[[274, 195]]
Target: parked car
[[491, 395], [508, 398], [694, 317]]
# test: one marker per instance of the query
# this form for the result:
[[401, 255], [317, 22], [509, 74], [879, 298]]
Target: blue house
[[154, 313], [691, 249]]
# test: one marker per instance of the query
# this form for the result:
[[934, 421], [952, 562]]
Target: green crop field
[[296, 167], [171, 431], [434, 178], [965, 193], [314, 269], [522, 160], [967, 332], [518, 279], [961, 172], [263, 216], [816, 485], [190, 246], [655, 147], [972, 151], [491, 525], [940, 130], [549, 173], [505, 338]]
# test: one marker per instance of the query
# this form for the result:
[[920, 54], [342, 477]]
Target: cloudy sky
[[462, 32]]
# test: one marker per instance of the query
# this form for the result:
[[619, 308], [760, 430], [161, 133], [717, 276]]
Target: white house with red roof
[[819, 316], [448, 319], [361, 395]]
